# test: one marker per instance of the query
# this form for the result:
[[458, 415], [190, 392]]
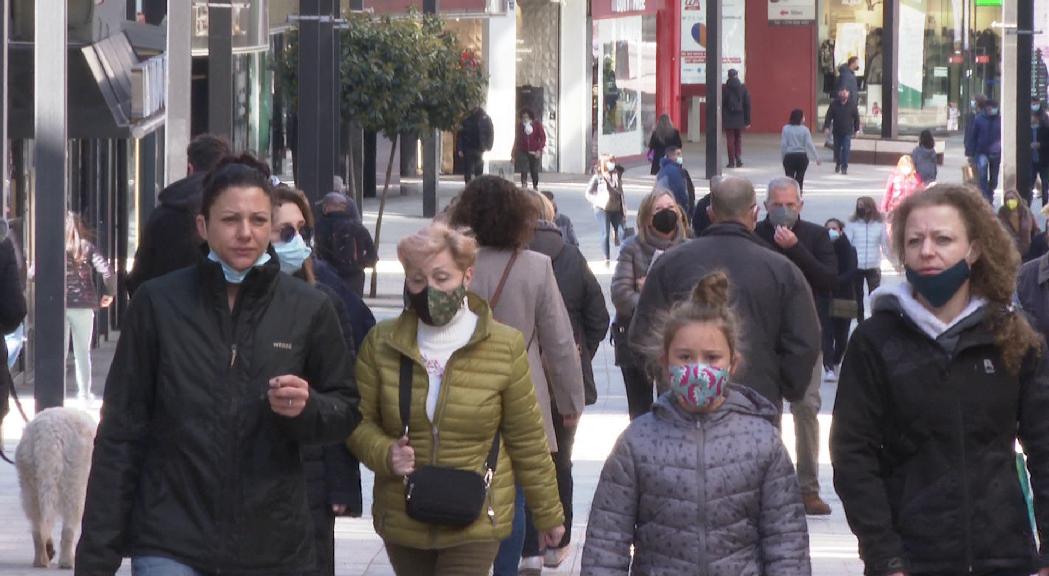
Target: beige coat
[[532, 304]]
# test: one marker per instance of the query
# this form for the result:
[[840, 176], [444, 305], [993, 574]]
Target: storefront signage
[[787, 12], [628, 5], [694, 40], [602, 9], [446, 6]]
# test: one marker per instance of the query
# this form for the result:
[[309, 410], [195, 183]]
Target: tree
[[405, 75]]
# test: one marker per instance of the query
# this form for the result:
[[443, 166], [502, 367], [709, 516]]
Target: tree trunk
[[382, 208]]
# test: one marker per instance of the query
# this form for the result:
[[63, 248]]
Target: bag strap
[[405, 400], [502, 281]]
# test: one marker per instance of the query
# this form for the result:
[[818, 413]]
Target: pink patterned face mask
[[698, 384]]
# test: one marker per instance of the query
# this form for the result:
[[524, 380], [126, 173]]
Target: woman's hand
[[640, 283], [402, 457], [338, 509], [105, 301], [288, 395], [552, 537]]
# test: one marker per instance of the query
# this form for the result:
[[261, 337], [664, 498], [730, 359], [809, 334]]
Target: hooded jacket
[[699, 494], [987, 135], [347, 246], [672, 177], [925, 422], [190, 461], [871, 241], [925, 163], [735, 111], [768, 292], [170, 240], [582, 295], [486, 388]]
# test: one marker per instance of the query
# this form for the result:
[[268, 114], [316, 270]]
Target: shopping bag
[[828, 141], [968, 174]]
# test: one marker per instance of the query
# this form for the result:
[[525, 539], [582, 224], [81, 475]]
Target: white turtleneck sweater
[[437, 344]]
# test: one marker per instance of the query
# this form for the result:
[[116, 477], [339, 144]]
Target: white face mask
[[610, 165], [528, 128]]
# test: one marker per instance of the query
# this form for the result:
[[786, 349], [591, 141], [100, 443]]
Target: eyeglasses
[[287, 232]]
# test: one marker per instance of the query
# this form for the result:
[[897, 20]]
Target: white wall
[[574, 107], [500, 40]]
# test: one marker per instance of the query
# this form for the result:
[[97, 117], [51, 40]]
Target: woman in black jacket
[[333, 475], [663, 136], [843, 305], [936, 388], [585, 303], [12, 310], [222, 372]]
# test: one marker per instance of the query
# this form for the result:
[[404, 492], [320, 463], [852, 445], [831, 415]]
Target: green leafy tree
[[405, 75]]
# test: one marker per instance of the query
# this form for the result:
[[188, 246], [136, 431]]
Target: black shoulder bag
[[447, 496]]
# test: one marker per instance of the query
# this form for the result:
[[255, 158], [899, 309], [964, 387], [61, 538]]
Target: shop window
[[624, 62], [853, 28]]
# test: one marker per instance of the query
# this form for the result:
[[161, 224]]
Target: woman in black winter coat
[[222, 372], [585, 304], [333, 475], [936, 388], [836, 334], [12, 310], [663, 136]]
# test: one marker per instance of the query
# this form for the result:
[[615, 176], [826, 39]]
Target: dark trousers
[[794, 165], [473, 164], [563, 466], [835, 337], [734, 144], [638, 390], [533, 169], [987, 173], [873, 278]]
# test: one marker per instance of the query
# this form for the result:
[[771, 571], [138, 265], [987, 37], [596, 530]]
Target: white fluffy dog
[[53, 461]]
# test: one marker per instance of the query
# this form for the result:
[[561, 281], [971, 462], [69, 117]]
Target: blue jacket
[[987, 135], [361, 318], [672, 177]]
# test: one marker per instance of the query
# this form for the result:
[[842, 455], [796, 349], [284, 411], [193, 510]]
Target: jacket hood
[[899, 299], [740, 400], [184, 194], [734, 82], [664, 161], [547, 239], [924, 153]]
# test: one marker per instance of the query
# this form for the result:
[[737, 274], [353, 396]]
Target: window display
[[625, 82]]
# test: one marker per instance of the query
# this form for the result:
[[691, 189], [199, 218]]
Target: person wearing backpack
[[344, 242], [475, 138], [735, 117]]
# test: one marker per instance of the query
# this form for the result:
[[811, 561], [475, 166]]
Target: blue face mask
[[292, 254], [232, 275], [834, 234], [939, 288], [699, 384]]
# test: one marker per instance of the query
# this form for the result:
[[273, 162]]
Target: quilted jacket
[[699, 494], [486, 388]]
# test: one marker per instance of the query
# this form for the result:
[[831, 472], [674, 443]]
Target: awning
[[99, 88]]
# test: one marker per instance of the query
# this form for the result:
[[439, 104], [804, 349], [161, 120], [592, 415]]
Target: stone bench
[[872, 150]]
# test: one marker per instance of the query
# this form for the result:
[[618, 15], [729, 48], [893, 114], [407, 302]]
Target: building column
[[177, 95], [147, 178], [1022, 102], [500, 54], [430, 147], [220, 68], [1011, 96], [318, 123], [713, 123], [668, 61], [574, 100], [50, 200], [890, 43], [5, 182]]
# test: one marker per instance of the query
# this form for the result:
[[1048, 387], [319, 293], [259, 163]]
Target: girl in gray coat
[[702, 484]]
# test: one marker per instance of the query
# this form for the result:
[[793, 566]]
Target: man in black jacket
[[770, 295], [843, 121], [475, 138], [170, 239], [808, 246], [12, 310]]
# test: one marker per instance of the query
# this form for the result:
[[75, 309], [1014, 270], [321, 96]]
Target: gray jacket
[[781, 332], [712, 494], [925, 163]]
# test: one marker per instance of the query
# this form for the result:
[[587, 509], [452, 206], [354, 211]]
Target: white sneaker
[[553, 557], [530, 566]]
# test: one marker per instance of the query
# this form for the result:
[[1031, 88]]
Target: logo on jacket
[[282, 345], [988, 366]]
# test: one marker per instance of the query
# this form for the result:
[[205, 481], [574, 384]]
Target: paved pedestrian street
[[359, 550]]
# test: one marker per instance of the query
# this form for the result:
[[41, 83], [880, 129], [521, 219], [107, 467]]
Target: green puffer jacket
[[487, 382]]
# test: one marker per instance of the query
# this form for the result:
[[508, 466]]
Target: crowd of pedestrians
[[250, 380]]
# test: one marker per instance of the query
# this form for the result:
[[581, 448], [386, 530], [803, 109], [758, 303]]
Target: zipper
[[701, 494], [966, 504], [233, 356]]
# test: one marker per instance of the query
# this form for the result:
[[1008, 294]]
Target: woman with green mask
[[1018, 220], [446, 391]]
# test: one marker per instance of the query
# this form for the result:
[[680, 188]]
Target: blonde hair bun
[[712, 290]]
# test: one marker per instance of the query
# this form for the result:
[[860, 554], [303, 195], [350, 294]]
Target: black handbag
[[444, 496]]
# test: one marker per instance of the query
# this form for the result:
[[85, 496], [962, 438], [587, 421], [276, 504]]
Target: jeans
[[81, 323], [987, 174], [473, 164], [794, 165], [160, 566], [606, 221], [533, 169], [734, 144], [509, 556], [873, 278], [842, 146], [835, 338]]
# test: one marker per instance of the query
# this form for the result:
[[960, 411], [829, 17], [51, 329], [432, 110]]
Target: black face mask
[[665, 220]]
